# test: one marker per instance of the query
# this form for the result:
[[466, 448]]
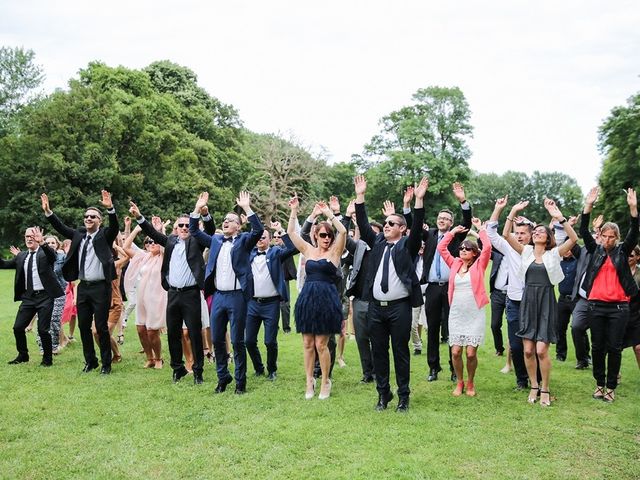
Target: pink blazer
[[476, 271]]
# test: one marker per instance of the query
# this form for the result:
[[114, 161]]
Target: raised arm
[[341, 233], [158, 237], [557, 216], [589, 242], [203, 239], [128, 242], [366, 232], [631, 240], [53, 219], [443, 245], [257, 228], [111, 232], [296, 239], [458, 191]]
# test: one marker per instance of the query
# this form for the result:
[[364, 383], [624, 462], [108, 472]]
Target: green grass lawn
[[59, 423]]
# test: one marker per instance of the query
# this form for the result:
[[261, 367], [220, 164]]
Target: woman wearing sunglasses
[[541, 271], [632, 334], [318, 310], [143, 276], [467, 298]]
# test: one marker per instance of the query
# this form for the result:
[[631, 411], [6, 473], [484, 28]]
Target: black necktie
[[227, 239], [384, 283], [261, 253], [30, 273], [83, 255]]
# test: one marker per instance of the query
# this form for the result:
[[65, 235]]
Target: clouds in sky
[[539, 76]]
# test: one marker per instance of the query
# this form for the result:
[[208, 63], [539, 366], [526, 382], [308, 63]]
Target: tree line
[[155, 136]]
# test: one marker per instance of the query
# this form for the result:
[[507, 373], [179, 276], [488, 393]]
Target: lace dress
[[318, 309], [466, 320]]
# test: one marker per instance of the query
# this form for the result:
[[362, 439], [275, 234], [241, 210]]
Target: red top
[[606, 286]]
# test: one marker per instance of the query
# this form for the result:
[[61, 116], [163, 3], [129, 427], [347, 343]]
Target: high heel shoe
[[533, 399], [309, 394], [159, 363], [150, 363], [545, 403], [324, 396]]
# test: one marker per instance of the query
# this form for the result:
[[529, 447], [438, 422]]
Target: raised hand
[[388, 208], [552, 208], [407, 197], [294, 202], [14, 250], [351, 209], [37, 234], [334, 204], [458, 229], [421, 190], [157, 223], [165, 225], [522, 219], [572, 220], [324, 208], [592, 196], [244, 200], [276, 226], [203, 198], [133, 210], [317, 211], [360, 184], [106, 200], [502, 202], [632, 199], [127, 222], [45, 203], [458, 191], [477, 223], [243, 219], [204, 211], [597, 222], [518, 207]]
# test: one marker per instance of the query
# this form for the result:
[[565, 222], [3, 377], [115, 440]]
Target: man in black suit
[[36, 286], [182, 275], [435, 274], [90, 259], [392, 288], [290, 273]]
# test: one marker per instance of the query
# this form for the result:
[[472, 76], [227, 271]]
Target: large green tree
[[428, 137], [149, 135], [620, 143], [20, 78]]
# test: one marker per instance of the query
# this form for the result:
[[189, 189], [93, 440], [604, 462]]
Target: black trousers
[[363, 337], [608, 322], [285, 311], [498, 305], [565, 307], [436, 306], [93, 302], [391, 322], [35, 303], [185, 306], [579, 327]]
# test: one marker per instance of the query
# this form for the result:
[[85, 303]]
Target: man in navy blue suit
[[270, 289], [228, 275]]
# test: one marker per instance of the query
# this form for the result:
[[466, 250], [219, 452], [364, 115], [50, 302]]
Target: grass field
[[59, 423]]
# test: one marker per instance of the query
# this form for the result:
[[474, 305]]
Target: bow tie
[[227, 239], [261, 253]]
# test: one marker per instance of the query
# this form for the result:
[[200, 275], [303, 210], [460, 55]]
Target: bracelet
[[331, 219], [562, 221], [510, 219]]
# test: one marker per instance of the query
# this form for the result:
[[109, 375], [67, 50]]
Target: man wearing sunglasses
[[270, 289], [392, 288], [182, 276], [90, 260], [228, 274], [36, 287]]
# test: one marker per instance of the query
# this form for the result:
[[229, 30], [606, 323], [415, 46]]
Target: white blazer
[[550, 258]]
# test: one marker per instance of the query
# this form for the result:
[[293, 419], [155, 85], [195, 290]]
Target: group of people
[[212, 290]]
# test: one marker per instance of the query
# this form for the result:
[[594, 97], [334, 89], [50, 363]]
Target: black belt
[[35, 293], [92, 282], [440, 284], [389, 303], [184, 289], [266, 299], [565, 297]]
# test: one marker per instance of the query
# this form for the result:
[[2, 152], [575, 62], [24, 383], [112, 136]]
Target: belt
[[389, 303], [92, 282], [565, 297], [440, 284], [266, 299], [35, 293], [184, 289]]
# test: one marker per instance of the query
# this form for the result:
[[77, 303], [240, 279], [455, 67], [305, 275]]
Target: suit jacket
[[45, 259], [240, 254], [193, 253], [102, 245], [430, 239], [496, 258], [275, 258], [402, 255]]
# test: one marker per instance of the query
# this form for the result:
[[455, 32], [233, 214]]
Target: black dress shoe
[[240, 390], [287, 330], [417, 351], [383, 401], [19, 359], [582, 365], [272, 376], [222, 385], [106, 370], [454, 377], [46, 363], [89, 366], [259, 373], [403, 405], [367, 379], [179, 373], [433, 374], [521, 386], [560, 358]]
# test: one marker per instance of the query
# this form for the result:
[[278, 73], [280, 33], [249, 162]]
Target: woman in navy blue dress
[[318, 311]]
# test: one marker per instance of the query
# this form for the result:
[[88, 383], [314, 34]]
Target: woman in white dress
[[467, 297]]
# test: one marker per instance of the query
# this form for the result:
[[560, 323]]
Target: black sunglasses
[[323, 235], [465, 249], [391, 223], [92, 217], [183, 225], [149, 242]]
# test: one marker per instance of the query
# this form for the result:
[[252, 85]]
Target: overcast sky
[[539, 77]]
